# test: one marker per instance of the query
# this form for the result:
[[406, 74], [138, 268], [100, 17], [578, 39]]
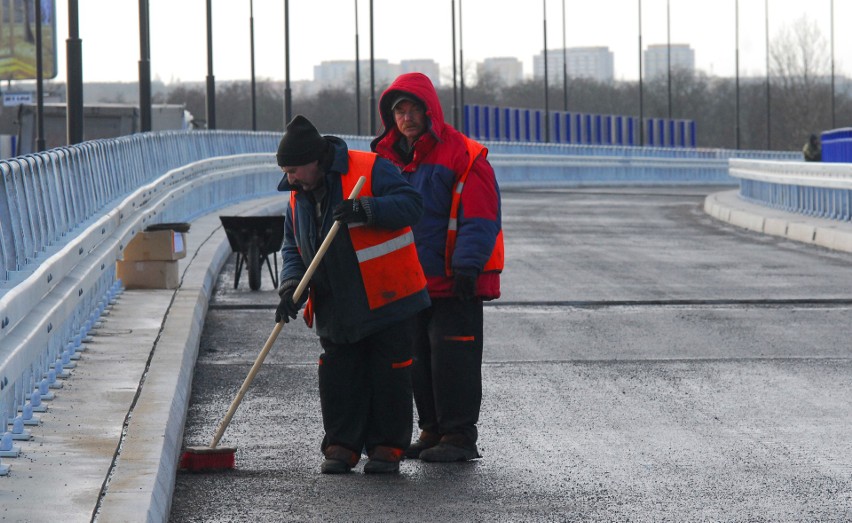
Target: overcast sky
[[325, 30]]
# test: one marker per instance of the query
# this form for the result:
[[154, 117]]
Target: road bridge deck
[[647, 362]]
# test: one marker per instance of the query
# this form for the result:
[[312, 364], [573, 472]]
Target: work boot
[[338, 460], [427, 440], [451, 448], [383, 460]]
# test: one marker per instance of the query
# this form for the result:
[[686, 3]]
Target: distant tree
[[800, 98], [193, 98], [331, 111], [801, 89], [28, 30]]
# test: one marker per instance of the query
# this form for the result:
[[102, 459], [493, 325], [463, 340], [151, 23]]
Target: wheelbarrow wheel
[[254, 264]]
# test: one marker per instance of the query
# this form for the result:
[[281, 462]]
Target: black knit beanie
[[301, 144]]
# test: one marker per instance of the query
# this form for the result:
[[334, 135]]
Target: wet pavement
[[645, 363]]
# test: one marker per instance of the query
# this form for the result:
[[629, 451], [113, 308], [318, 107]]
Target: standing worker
[[812, 151], [365, 293], [460, 245]]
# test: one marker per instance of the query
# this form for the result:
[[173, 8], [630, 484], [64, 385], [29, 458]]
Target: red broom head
[[206, 459]]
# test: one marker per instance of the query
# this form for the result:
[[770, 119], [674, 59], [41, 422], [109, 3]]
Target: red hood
[[420, 87]]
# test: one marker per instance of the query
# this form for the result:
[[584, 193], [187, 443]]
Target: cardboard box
[[148, 274], [156, 245]]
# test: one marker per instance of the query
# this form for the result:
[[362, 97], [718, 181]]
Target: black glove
[[350, 211], [286, 308], [464, 286]]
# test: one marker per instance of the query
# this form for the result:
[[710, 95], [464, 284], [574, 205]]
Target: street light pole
[[768, 92], [74, 75], [144, 67], [641, 106], [669, 53], [833, 119], [546, 104], [455, 79], [211, 80], [461, 73], [253, 82], [357, 77], [40, 145], [372, 76], [737, 62], [564, 64], [288, 100]]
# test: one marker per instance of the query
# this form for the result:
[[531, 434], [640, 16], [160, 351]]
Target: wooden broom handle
[[275, 331]]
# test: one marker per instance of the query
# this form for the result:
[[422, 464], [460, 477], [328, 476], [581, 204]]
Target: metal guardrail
[[519, 164], [66, 215], [44, 197], [822, 190]]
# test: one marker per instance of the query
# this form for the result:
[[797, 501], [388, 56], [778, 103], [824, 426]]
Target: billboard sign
[[18, 39]]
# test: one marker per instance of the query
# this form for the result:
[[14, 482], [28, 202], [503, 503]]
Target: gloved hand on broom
[[287, 308]]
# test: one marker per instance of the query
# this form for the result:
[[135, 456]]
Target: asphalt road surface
[[645, 363]]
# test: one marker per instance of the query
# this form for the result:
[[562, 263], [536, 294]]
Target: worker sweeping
[[365, 293]]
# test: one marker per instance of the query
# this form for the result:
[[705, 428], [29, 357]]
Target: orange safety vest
[[387, 259], [495, 261]]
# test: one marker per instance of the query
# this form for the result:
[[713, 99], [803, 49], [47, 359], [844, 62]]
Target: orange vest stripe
[[495, 261]]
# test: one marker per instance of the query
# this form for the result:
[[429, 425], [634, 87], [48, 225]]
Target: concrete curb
[[728, 207], [143, 478]]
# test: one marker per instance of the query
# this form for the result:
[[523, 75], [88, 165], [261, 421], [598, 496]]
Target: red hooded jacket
[[440, 156]]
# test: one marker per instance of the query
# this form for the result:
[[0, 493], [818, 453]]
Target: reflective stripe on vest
[[368, 253], [495, 261], [390, 268]]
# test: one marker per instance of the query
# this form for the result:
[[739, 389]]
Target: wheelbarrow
[[254, 238]]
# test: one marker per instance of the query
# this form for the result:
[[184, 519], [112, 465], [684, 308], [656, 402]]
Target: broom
[[212, 458]]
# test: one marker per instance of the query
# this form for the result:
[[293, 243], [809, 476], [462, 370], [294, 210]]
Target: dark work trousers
[[365, 390], [447, 371]]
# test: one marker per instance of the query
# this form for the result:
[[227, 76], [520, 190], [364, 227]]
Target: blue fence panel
[[537, 124], [598, 129], [837, 145], [608, 130], [566, 123], [557, 129], [631, 138], [496, 117], [518, 125], [619, 130]]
